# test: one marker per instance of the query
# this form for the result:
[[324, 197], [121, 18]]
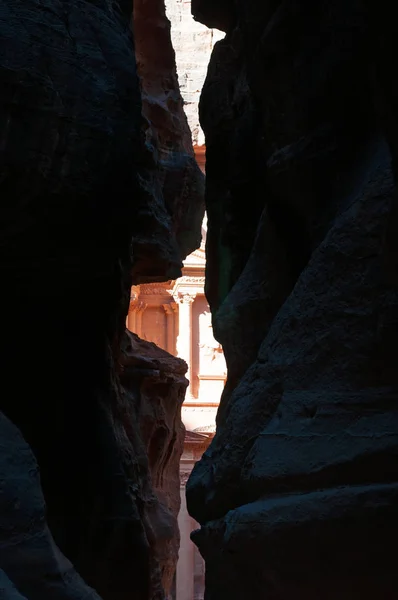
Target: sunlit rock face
[[192, 43], [88, 206], [297, 494]]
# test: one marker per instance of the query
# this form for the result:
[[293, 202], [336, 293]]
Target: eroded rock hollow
[[99, 190], [297, 494]]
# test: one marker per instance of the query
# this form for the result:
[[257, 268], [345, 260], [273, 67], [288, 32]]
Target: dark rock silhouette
[[297, 494], [28, 553], [90, 205]]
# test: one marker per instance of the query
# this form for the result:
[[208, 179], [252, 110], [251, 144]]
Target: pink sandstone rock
[[193, 43]]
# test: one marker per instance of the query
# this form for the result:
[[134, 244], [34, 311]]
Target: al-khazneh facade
[[175, 316]]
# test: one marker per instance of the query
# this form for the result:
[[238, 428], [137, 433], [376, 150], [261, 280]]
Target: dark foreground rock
[[84, 212], [297, 494], [32, 565]]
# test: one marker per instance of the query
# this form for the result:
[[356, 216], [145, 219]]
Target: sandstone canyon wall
[[95, 195], [297, 494], [173, 177], [192, 43]]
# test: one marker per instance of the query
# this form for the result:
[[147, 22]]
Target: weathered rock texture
[[84, 213], [193, 43], [154, 388], [297, 494], [28, 553], [173, 179]]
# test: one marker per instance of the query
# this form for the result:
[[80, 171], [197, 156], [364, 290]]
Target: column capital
[[134, 295], [140, 306], [167, 309], [134, 292], [184, 297]]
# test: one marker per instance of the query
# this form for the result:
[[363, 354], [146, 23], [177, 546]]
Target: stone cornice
[[188, 286], [155, 289], [190, 280]]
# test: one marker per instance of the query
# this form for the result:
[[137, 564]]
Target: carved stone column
[[186, 558], [184, 339], [141, 306], [131, 317], [170, 327], [174, 307]]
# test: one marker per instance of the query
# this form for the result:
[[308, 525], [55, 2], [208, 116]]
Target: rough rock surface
[[154, 386], [193, 43], [78, 183], [297, 494], [8, 591], [35, 567], [178, 184]]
